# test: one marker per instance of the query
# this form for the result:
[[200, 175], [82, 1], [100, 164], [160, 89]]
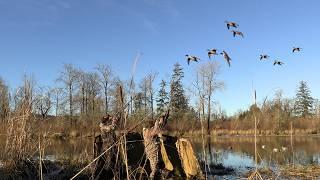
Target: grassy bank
[[289, 172]]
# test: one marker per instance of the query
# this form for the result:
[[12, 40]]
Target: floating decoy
[[192, 58], [237, 33], [263, 146], [226, 57], [264, 56], [231, 24], [211, 52], [284, 149], [296, 49], [276, 62], [275, 150]]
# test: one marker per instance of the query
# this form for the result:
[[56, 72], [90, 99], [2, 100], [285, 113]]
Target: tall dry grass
[[19, 135]]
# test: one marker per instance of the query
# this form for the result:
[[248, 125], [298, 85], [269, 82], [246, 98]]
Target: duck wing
[[229, 63]]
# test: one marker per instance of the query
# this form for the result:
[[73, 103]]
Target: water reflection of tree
[[303, 158], [306, 150], [215, 155]]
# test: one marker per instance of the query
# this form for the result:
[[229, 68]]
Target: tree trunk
[[131, 104], [83, 100], [86, 102], [145, 99], [106, 97], [57, 105], [70, 104], [209, 114], [151, 104], [93, 104]]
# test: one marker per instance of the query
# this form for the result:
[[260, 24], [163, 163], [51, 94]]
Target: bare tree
[[106, 76], [69, 77], [93, 89], [199, 86], [150, 79], [82, 80], [24, 95], [144, 92], [43, 101], [147, 91], [57, 96], [208, 76]]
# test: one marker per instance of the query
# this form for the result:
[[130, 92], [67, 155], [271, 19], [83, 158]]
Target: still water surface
[[235, 152], [273, 152]]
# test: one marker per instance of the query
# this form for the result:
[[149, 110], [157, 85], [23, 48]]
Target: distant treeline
[[276, 116], [82, 98], [79, 98]]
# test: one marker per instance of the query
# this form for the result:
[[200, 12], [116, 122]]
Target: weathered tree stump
[[172, 160], [150, 155]]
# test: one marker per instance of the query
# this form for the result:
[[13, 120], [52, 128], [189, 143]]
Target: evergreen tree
[[163, 99], [304, 101], [178, 100]]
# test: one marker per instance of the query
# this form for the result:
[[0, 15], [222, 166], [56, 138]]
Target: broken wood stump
[[177, 158]]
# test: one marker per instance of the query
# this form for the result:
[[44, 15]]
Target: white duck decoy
[[275, 150], [284, 149]]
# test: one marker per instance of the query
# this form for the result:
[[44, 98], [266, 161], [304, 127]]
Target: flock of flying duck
[[212, 52]]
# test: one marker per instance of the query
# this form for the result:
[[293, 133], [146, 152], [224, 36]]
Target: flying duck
[[296, 49], [264, 56], [276, 62], [226, 57], [211, 52], [237, 33], [231, 24], [192, 58]]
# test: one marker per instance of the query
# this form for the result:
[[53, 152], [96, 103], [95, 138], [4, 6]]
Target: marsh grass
[[311, 171], [19, 142]]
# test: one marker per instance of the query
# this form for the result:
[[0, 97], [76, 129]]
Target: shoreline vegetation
[[73, 133], [66, 168], [30, 114], [289, 172]]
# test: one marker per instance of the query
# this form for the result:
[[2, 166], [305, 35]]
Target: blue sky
[[39, 36]]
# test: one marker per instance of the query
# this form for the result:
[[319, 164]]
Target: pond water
[[239, 152], [235, 152]]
